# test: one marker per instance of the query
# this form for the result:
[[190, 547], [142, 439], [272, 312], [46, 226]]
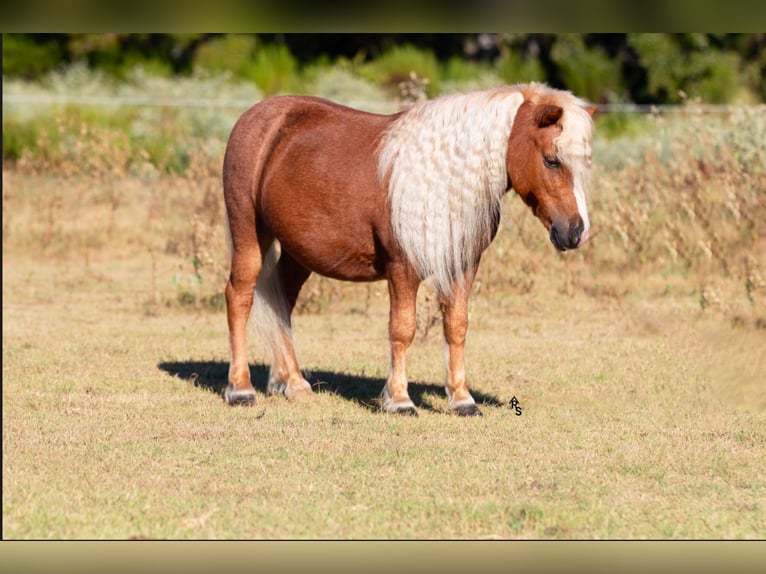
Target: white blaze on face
[[582, 208], [573, 146]]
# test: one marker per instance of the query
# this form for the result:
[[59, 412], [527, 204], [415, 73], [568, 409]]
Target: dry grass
[[638, 363], [114, 426]]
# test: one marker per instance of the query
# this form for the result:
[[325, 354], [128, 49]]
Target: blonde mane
[[445, 164]]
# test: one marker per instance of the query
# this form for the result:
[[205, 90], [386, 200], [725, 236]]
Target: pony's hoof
[[468, 411], [244, 397], [407, 412], [300, 395], [276, 388]]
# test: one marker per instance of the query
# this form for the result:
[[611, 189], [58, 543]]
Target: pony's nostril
[[574, 235], [557, 238]]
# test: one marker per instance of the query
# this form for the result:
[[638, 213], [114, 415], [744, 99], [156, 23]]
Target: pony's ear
[[592, 110], [547, 115]]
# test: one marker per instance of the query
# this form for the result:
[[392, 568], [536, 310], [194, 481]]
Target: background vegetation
[[637, 359], [640, 68]]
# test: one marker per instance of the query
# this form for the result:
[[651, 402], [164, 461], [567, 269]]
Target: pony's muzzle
[[567, 235]]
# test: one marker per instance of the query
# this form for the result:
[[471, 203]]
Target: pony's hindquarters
[[254, 277]]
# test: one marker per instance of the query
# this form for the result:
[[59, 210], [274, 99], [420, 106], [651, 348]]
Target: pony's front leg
[[455, 319], [403, 291]]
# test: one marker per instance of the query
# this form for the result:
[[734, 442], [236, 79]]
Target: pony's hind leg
[[276, 294], [402, 290], [455, 320], [246, 262]]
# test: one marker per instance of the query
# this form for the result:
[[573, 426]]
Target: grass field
[[639, 372], [642, 417]]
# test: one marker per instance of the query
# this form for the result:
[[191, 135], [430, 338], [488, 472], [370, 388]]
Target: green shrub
[[343, 86], [588, 72], [713, 77], [620, 124], [459, 75], [117, 54], [395, 65], [274, 69], [458, 70], [19, 136], [231, 53], [515, 68], [26, 58], [684, 66]]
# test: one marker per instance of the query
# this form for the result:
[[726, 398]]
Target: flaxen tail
[[270, 316]]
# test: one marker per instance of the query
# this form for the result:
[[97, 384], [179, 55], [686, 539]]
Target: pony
[[311, 186]]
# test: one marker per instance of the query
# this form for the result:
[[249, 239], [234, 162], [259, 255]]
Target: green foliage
[[714, 77], [463, 75], [456, 69], [395, 65], [274, 69], [660, 68], [116, 54], [515, 68], [230, 53], [20, 135], [158, 137], [343, 86], [588, 72], [620, 124], [28, 58], [684, 66]]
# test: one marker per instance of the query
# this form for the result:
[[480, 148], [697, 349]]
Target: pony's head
[[548, 161]]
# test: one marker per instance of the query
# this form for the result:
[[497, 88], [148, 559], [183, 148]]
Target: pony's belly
[[333, 234], [337, 258]]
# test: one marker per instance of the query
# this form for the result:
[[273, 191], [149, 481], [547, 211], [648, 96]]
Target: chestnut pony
[[312, 186]]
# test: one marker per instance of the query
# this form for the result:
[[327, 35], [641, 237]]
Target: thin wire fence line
[[673, 108], [50, 99], [152, 101]]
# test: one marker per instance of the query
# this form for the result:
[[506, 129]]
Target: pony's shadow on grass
[[365, 391]]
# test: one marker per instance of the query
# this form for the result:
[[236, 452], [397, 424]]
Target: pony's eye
[[551, 162]]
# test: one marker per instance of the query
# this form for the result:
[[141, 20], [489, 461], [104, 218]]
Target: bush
[[18, 136], [515, 68], [274, 69], [343, 86], [458, 70], [664, 64], [232, 54], [398, 63], [713, 77], [675, 71], [26, 58], [588, 72]]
